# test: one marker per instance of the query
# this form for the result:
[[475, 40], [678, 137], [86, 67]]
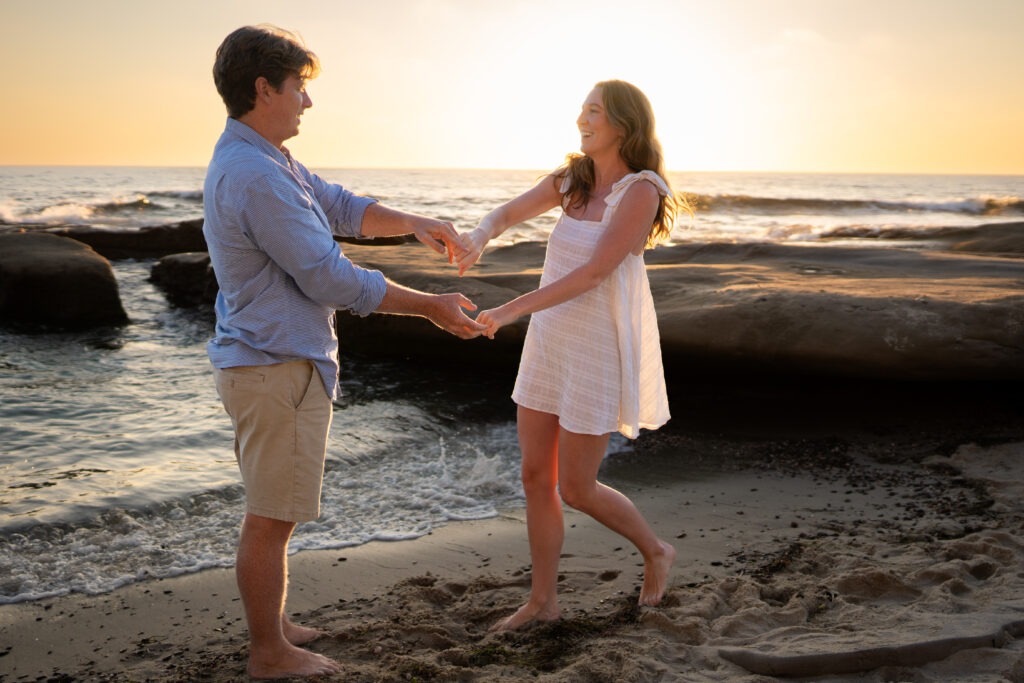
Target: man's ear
[[262, 89]]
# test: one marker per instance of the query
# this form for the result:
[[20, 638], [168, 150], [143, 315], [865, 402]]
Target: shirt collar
[[239, 129]]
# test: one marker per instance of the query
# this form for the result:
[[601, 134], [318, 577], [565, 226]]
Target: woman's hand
[[498, 317], [532, 203], [474, 241]]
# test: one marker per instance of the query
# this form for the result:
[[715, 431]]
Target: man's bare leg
[[262, 570], [296, 634]]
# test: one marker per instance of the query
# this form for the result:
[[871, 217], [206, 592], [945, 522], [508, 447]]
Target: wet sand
[[891, 554]]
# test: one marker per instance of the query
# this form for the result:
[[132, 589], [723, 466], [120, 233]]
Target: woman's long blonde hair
[[628, 110]]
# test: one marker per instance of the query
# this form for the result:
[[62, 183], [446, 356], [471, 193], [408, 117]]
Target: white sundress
[[595, 360]]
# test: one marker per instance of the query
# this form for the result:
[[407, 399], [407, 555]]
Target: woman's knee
[[537, 480], [576, 495]]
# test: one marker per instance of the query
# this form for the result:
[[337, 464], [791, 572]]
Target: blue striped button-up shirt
[[269, 226]]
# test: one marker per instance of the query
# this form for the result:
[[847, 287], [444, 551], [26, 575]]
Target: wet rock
[[728, 309], [148, 242], [155, 241], [53, 282], [187, 279], [860, 312], [1006, 239], [751, 309]]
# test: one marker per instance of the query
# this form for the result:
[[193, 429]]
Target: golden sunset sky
[[932, 86]]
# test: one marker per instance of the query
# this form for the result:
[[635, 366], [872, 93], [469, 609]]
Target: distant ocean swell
[[188, 203], [978, 206]]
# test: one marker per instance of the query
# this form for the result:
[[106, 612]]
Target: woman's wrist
[[480, 235], [515, 308], [488, 228]]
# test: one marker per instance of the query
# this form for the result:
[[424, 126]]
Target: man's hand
[[495, 318], [441, 237], [446, 312]]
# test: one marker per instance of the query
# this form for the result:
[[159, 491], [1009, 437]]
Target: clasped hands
[[463, 250]]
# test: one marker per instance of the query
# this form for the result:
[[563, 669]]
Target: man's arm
[[279, 221], [352, 215], [313, 259], [381, 221], [444, 310]]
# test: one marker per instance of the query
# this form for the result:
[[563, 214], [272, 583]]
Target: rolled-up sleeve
[[344, 209], [280, 219]]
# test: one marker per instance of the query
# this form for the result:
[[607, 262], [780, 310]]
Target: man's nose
[[306, 102]]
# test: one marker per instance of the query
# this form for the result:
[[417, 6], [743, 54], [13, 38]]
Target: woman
[[591, 361]]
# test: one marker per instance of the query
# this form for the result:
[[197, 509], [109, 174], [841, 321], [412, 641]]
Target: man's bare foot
[[656, 570], [289, 662], [298, 635], [526, 614]]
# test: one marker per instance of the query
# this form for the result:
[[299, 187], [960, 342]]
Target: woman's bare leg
[[579, 458], [538, 441]]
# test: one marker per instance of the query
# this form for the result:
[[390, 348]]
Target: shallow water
[[117, 462]]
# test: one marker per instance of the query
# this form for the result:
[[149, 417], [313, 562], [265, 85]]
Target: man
[[268, 226]]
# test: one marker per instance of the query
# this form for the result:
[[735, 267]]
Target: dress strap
[[620, 187]]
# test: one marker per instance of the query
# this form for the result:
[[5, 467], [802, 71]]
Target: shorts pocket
[[244, 378], [314, 394]]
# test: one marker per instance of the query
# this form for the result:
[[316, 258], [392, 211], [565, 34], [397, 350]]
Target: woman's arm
[[628, 228], [540, 198]]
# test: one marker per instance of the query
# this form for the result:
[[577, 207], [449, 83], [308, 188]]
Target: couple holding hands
[[591, 362]]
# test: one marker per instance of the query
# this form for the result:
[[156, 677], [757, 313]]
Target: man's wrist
[[403, 300], [430, 305], [414, 223]]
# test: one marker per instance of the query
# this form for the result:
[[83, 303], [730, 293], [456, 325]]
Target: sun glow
[[792, 85]]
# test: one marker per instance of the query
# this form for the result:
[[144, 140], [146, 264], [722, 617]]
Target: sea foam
[[391, 493]]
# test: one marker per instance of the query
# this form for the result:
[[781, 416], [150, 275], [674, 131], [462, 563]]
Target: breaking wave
[[128, 209]]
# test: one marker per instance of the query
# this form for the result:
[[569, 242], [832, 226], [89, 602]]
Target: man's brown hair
[[254, 51]]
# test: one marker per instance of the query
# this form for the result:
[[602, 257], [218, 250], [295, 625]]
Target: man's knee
[[260, 529]]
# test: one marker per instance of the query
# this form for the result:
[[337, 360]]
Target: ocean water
[[731, 206], [116, 459]]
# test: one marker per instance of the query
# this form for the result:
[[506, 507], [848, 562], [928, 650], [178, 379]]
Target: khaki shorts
[[281, 414]]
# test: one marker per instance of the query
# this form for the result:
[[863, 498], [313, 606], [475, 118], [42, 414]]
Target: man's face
[[287, 106]]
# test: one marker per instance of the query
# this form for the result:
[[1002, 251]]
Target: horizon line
[[531, 170]]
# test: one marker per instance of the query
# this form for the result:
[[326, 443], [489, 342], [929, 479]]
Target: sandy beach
[[811, 548]]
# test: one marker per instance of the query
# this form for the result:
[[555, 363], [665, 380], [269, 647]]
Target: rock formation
[[755, 308], [56, 283]]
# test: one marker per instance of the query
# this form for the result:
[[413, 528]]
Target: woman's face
[[597, 134]]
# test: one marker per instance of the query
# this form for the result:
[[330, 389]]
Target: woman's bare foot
[[298, 635], [526, 614], [656, 570], [289, 662]]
